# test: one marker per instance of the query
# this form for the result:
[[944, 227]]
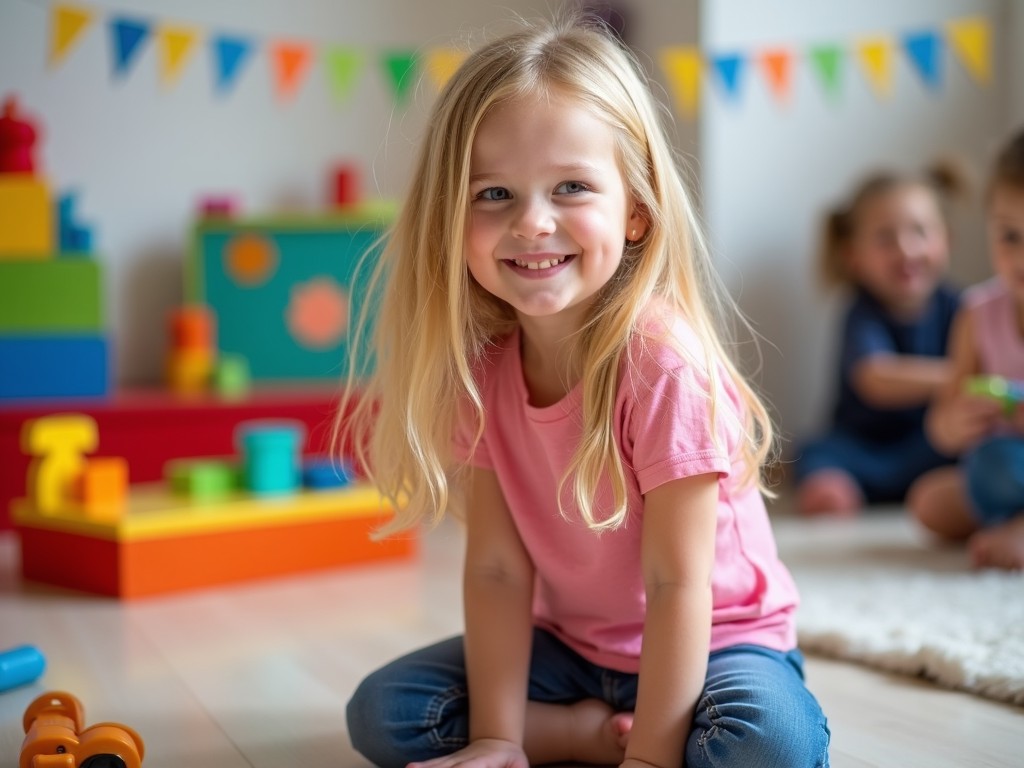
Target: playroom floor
[[258, 675]]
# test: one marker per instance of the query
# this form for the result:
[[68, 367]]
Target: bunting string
[[686, 68]]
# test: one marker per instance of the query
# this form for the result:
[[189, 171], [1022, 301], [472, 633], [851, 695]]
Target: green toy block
[[231, 377], [202, 479], [52, 295]]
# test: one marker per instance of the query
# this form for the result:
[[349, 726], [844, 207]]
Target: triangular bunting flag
[[175, 45], [924, 49], [683, 66], [343, 65], [876, 59], [291, 62], [401, 70], [827, 61], [970, 39], [66, 25], [127, 37], [730, 70], [777, 65], [229, 55], [442, 63]]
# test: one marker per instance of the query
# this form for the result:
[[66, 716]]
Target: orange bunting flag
[[175, 45], [66, 25], [442, 63], [683, 67], [777, 65], [969, 38], [291, 63], [875, 56]]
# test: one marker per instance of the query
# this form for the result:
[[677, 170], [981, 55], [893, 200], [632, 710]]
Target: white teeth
[[546, 264]]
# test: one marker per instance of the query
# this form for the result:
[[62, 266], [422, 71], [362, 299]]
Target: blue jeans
[[884, 471], [994, 474], [755, 710]]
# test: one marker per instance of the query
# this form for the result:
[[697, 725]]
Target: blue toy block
[[54, 366], [73, 238], [326, 472], [271, 456]]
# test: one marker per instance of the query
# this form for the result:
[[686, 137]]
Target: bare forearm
[[498, 639], [673, 665], [900, 381]]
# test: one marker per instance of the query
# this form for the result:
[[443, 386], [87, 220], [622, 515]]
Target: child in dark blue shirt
[[890, 245]]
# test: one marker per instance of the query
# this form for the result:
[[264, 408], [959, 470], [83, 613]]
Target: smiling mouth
[[539, 265]]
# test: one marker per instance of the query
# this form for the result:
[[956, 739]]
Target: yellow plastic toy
[[58, 443]]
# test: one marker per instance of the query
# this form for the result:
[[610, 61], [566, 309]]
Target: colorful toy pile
[[52, 341]]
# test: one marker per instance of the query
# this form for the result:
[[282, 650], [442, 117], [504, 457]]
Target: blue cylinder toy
[[20, 666], [271, 455]]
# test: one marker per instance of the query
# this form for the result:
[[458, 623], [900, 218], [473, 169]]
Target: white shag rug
[[876, 591]]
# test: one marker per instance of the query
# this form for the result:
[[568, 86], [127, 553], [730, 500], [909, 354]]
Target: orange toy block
[[26, 217], [102, 486], [163, 543], [58, 444], [189, 370]]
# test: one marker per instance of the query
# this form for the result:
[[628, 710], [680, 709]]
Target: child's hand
[[482, 753], [962, 421]]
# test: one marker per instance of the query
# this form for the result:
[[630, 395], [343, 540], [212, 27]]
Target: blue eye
[[571, 188], [495, 193]]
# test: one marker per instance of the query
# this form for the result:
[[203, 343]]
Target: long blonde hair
[[435, 323]]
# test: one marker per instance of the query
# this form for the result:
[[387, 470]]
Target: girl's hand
[[482, 753], [962, 421]]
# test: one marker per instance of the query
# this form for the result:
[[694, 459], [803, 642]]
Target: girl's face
[[549, 209], [900, 250], [1006, 237]]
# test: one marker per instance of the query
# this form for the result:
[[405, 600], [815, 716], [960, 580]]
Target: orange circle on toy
[[317, 313], [250, 259]]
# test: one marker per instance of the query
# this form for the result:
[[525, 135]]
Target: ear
[[637, 224]]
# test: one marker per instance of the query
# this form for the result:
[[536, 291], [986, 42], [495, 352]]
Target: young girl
[[983, 499], [546, 353], [890, 246]]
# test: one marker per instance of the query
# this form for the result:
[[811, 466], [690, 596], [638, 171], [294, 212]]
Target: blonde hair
[[435, 322], [945, 179]]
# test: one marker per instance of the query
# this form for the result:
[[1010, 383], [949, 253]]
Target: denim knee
[[368, 730], [994, 474]]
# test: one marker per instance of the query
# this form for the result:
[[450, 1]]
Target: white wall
[[770, 172]]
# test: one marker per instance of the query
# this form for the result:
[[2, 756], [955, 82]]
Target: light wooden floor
[[259, 675]]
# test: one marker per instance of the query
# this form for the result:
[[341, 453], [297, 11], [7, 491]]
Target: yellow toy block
[[58, 443], [26, 217], [102, 486], [189, 370]]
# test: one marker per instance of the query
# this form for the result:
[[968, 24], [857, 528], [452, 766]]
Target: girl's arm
[[497, 595], [899, 381], [956, 419], [678, 552]]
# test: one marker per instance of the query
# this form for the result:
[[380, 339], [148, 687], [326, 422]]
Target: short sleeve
[[865, 335], [669, 433]]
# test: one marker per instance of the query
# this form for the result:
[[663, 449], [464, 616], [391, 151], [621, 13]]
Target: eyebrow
[[567, 168]]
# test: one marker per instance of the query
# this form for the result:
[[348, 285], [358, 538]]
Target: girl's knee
[[760, 738], [366, 717]]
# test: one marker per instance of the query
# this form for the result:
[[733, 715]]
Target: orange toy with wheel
[[55, 738]]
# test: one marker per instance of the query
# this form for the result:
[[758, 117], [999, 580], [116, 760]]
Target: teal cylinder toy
[[20, 666], [271, 455]]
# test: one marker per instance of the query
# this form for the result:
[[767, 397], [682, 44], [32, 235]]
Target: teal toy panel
[[284, 294]]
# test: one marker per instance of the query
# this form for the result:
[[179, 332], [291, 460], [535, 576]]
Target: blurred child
[[982, 500], [890, 246]]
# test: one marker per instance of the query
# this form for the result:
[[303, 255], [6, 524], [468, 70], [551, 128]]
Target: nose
[[533, 217]]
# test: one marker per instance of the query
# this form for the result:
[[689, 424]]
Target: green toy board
[[282, 290]]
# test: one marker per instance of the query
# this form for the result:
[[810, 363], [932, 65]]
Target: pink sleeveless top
[[997, 334]]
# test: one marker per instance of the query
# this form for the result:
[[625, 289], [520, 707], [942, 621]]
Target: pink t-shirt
[[589, 588], [996, 329]]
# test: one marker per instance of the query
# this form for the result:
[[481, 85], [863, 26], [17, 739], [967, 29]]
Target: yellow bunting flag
[[442, 63], [683, 67], [970, 39], [777, 65], [291, 62], [175, 45], [66, 25], [875, 56]]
